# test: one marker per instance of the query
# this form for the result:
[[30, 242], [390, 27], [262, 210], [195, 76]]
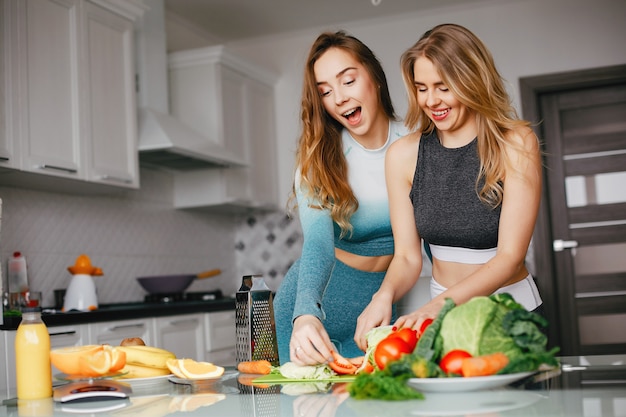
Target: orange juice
[[32, 357]]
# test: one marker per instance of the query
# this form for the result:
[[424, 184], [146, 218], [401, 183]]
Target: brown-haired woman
[[348, 123]]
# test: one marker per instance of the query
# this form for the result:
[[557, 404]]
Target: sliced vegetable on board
[[341, 365]]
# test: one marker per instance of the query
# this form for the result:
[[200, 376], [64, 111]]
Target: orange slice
[[118, 359], [95, 364], [66, 359], [199, 370], [172, 365]]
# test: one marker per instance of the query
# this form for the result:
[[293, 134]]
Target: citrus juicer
[[81, 294]]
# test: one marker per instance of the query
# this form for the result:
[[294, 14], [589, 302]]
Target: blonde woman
[[468, 182], [348, 123]]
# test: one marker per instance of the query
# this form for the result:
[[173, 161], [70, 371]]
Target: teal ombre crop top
[[371, 227]]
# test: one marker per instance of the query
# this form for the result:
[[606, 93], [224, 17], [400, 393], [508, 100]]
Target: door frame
[[531, 89]]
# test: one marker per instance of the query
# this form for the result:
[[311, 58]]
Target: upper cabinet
[[7, 153], [231, 102], [71, 100]]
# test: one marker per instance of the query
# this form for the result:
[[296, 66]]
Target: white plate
[[145, 381], [473, 403], [460, 384], [226, 375]]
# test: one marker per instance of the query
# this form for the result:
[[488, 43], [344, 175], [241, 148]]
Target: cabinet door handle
[[69, 332], [115, 179], [126, 326], [56, 168], [183, 322]]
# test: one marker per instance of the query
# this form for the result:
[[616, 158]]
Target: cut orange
[[66, 359], [199, 370], [95, 364], [118, 359], [172, 365]]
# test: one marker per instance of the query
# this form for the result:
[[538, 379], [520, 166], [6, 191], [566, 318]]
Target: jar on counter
[[32, 356]]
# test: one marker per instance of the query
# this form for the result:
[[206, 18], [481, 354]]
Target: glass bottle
[[32, 356]]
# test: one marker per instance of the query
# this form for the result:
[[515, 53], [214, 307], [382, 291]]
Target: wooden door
[[580, 239]]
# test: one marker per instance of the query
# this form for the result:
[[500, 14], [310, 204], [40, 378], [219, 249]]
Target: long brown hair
[[467, 68], [319, 157]]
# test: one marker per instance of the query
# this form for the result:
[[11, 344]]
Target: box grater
[[255, 325]]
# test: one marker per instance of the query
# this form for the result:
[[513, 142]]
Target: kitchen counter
[[125, 311], [591, 386]]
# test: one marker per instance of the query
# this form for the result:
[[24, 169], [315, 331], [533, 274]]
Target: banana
[[138, 371], [147, 356]]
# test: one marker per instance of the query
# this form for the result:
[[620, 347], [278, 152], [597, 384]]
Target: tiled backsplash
[[268, 245], [132, 234]]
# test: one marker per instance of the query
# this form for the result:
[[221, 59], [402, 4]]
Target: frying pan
[[172, 284]]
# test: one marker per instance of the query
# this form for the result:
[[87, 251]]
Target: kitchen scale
[[91, 390]]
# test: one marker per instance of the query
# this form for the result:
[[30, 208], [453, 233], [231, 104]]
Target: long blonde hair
[[319, 157], [467, 68]]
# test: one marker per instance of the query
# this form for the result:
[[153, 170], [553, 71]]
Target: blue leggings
[[347, 294]]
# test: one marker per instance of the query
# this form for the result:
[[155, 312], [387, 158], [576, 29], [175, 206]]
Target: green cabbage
[[476, 327], [486, 325]]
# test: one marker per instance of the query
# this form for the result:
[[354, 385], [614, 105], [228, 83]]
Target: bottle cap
[[36, 309]]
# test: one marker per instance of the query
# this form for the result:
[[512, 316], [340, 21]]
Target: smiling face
[[348, 93], [455, 122]]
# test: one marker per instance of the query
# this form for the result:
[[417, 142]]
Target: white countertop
[[571, 392]]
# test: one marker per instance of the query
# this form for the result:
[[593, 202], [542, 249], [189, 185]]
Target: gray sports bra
[[447, 209]]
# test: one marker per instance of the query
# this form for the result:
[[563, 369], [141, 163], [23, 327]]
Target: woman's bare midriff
[[449, 273], [364, 263]]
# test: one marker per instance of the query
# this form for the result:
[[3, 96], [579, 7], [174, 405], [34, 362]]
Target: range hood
[[164, 140]]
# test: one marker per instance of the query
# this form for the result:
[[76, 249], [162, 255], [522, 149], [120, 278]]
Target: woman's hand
[[415, 319], [310, 344], [377, 313]]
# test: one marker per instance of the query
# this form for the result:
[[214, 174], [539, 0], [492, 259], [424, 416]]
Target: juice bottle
[[32, 356]]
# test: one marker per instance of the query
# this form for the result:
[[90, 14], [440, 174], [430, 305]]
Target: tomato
[[451, 361], [341, 365], [390, 349], [408, 335], [424, 325]]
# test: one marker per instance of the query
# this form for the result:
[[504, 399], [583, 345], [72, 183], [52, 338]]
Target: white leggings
[[524, 292]]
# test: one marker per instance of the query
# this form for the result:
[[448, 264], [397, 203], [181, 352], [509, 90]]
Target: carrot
[[484, 365], [261, 367]]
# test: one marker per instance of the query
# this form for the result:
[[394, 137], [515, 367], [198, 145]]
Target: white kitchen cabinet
[[231, 102], [111, 122], [7, 151], [113, 332], [183, 335], [73, 95], [220, 338]]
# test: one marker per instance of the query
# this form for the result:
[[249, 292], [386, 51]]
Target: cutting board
[[279, 379]]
